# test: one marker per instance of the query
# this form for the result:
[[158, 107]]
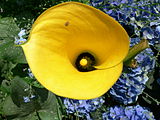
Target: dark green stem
[[136, 49]]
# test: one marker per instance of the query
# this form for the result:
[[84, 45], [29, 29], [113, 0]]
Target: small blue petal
[[20, 40], [82, 107], [127, 113], [26, 99]]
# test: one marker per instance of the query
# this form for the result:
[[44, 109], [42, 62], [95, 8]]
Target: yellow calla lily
[[76, 51]]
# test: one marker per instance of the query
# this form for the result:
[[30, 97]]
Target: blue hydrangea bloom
[[152, 33], [136, 13], [82, 108], [127, 113], [20, 40], [132, 81]]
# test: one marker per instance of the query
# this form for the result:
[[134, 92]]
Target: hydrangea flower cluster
[[132, 81], [152, 33], [82, 108], [139, 18], [128, 113], [20, 40]]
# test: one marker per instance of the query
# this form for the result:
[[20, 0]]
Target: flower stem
[[136, 49]]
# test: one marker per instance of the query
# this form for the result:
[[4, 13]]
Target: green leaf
[[47, 115], [12, 112], [8, 28], [6, 69], [32, 116], [42, 93], [50, 109], [8, 50], [28, 103], [23, 96], [9, 108], [5, 87]]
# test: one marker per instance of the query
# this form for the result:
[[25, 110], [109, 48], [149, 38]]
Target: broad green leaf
[[6, 69], [5, 87], [8, 50], [8, 28], [32, 116], [27, 101], [23, 96], [48, 115], [50, 109], [42, 93], [9, 108]]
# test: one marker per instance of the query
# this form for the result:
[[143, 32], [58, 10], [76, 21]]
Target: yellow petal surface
[[65, 31]]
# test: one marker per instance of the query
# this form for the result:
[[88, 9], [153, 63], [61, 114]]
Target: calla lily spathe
[[63, 32]]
